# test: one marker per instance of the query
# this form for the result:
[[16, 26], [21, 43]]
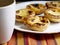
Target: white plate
[[53, 28]]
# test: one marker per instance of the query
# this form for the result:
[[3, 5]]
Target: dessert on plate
[[53, 14], [53, 4], [37, 23], [37, 8], [22, 13]]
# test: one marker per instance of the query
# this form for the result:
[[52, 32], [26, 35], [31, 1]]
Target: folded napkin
[[20, 38]]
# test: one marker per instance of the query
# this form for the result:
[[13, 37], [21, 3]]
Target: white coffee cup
[[7, 19]]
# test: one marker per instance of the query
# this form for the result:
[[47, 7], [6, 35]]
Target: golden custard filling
[[22, 12], [34, 20], [54, 12], [37, 19]]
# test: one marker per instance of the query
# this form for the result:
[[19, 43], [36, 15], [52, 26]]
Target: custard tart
[[53, 15], [37, 23], [53, 4], [38, 8], [22, 13]]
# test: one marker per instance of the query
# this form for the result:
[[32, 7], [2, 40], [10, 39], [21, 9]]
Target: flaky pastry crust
[[53, 15], [38, 8], [22, 13], [53, 4], [37, 23]]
